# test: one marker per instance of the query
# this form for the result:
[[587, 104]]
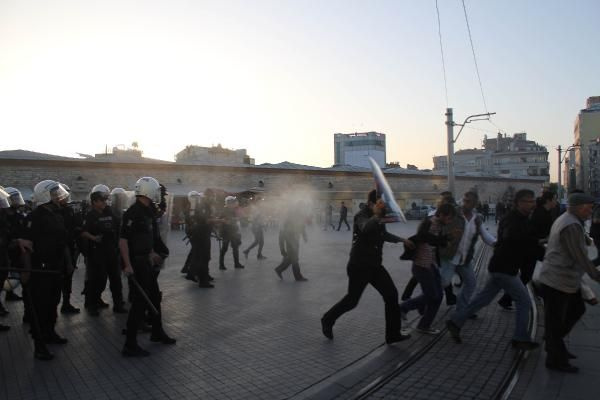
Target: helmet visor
[[16, 200], [59, 193]]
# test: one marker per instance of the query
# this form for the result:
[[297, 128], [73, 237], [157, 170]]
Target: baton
[[143, 294]]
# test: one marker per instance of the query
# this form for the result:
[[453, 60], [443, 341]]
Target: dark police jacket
[[199, 229], [140, 228], [368, 236], [102, 223], [48, 232], [517, 244]]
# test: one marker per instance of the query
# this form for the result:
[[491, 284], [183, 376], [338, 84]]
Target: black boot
[[41, 352]]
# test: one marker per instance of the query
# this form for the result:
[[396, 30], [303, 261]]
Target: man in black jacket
[[364, 267], [516, 241], [343, 216]]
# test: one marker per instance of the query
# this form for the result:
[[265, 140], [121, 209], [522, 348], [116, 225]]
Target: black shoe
[[162, 338], [4, 328], [562, 367], [205, 285], [54, 338], [222, 267], [261, 257], [301, 279], [239, 266], [12, 296], [210, 278], [69, 309], [102, 304], [41, 352], [191, 278], [524, 345], [454, 331], [396, 338], [134, 351], [278, 274], [120, 309], [327, 329]]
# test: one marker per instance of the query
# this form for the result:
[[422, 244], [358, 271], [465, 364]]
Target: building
[[215, 155], [510, 157], [586, 131], [354, 148]]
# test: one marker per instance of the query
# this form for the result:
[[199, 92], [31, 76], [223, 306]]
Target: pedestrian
[[230, 233], [515, 238], [258, 227], [456, 258], [343, 216], [541, 218], [139, 241], [293, 227], [364, 267], [329, 217], [565, 263], [425, 268]]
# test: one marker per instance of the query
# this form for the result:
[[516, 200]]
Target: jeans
[[467, 275], [430, 299], [514, 287]]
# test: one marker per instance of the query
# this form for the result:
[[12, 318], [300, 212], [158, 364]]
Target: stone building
[[586, 131]]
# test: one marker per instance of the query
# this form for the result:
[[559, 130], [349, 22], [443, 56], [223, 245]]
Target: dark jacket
[[517, 244], [368, 236]]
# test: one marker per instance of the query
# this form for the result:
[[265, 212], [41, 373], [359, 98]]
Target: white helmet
[[4, 202], [230, 201], [16, 199], [68, 189], [48, 190], [194, 199], [148, 187], [101, 188]]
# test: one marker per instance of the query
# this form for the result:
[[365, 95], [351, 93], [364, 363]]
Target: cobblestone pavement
[[256, 337], [253, 336]]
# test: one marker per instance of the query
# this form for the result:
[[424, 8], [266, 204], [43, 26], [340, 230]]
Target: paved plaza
[[256, 337]]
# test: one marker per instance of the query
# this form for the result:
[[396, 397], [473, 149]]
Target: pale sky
[[280, 77]]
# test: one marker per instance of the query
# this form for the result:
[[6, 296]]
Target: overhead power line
[[474, 57]]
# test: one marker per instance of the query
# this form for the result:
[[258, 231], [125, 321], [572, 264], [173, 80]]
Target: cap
[[577, 199]]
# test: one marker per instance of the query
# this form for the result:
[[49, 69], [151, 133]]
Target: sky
[[280, 77]]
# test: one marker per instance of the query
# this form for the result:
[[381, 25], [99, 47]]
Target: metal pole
[[450, 135], [559, 188]]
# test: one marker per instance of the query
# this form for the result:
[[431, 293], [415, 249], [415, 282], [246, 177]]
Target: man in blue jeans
[[515, 241]]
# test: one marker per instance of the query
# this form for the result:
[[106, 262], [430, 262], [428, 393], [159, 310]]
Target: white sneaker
[[428, 331]]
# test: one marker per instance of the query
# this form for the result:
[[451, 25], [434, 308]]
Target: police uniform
[[199, 229], [102, 258], [72, 223], [4, 241], [48, 232], [140, 229], [230, 232]]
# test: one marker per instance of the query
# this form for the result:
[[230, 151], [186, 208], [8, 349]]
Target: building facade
[[215, 155], [355, 148], [586, 131]]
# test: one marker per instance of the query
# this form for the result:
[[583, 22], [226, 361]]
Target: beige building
[[587, 130]]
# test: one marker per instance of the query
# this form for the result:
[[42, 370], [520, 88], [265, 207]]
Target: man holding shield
[[364, 267]]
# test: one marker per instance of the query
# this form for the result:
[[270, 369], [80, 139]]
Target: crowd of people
[[117, 236]]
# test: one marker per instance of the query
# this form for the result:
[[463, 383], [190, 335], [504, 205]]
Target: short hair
[[545, 197], [96, 196], [372, 196], [445, 209], [521, 194], [471, 194]]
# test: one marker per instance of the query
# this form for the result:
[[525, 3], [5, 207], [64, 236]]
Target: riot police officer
[[48, 232], [199, 226], [16, 222], [4, 240], [139, 243], [73, 223], [230, 233], [100, 228]]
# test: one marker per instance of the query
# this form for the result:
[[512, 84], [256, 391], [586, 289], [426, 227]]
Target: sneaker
[[454, 330], [396, 338], [134, 351], [524, 345], [428, 331], [327, 329]]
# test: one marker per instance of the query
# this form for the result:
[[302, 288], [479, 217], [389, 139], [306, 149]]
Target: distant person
[[329, 217], [500, 210], [258, 227], [289, 243], [343, 216], [364, 267]]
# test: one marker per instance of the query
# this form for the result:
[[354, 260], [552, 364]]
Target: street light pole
[[559, 188]]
